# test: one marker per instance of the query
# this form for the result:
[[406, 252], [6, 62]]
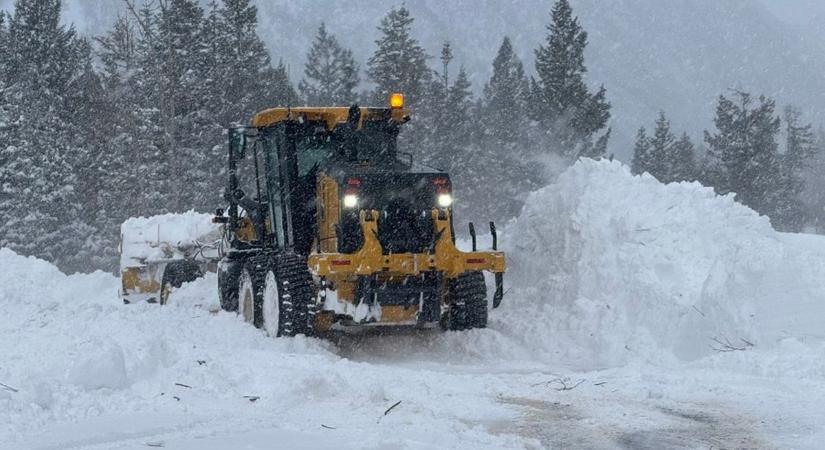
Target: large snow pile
[[607, 267]]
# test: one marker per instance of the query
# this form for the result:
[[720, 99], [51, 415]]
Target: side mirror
[[240, 139], [237, 143]]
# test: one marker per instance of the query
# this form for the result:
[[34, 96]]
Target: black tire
[[468, 302], [174, 275], [296, 297], [229, 273]]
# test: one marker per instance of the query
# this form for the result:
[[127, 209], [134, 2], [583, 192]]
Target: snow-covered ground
[[622, 294]]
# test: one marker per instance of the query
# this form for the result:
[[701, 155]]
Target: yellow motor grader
[[330, 227]]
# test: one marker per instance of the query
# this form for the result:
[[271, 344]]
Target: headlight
[[350, 200], [445, 200]]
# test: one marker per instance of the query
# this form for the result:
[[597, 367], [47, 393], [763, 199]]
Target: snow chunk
[[103, 367]]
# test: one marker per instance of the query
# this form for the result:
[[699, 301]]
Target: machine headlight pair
[[444, 200]]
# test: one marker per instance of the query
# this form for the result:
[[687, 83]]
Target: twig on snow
[[251, 398], [728, 346], [183, 385], [155, 444], [328, 427], [8, 388], [388, 410], [563, 384]]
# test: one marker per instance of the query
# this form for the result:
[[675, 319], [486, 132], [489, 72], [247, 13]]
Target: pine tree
[[684, 160], [330, 73], [569, 114], [3, 51], [39, 205], [799, 145], [745, 143], [505, 101], [91, 111], [662, 156], [641, 153], [457, 125], [661, 144], [790, 212], [446, 58], [399, 64], [498, 152], [814, 194], [277, 86]]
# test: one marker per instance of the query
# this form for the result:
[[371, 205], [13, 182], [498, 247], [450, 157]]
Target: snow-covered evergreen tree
[[330, 72], [570, 115], [790, 211], [661, 146], [498, 167], [745, 143], [813, 196], [39, 204], [399, 64], [641, 161], [4, 37], [684, 159], [506, 97]]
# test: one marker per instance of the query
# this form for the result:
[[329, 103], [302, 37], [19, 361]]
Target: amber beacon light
[[396, 101]]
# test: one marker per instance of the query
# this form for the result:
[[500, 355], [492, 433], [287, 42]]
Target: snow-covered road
[[110, 376], [611, 336]]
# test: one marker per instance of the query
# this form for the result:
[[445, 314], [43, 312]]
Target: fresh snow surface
[[617, 288]]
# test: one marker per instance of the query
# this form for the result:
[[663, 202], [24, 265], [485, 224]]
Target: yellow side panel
[[141, 280], [329, 212], [332, 115], [398, 314], [246, 231]]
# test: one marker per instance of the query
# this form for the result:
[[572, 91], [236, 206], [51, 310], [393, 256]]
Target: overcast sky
[[795, 12]]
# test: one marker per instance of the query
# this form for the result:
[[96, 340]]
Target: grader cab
[[331, 228]]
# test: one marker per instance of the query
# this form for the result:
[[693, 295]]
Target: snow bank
[[607, 267], [87, 370]]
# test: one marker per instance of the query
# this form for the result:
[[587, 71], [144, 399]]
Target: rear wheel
[[229, 273], [468, 302]]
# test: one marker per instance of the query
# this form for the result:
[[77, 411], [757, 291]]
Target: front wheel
[[274, 312], [468, 302], [248, 289]]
